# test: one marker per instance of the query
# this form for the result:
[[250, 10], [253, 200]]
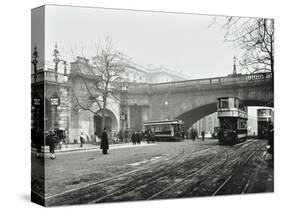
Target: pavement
[[90, 147]]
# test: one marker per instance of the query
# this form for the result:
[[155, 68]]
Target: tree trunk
[[103, 119]]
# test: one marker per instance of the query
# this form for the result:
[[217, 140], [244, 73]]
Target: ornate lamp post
[[55, 99], [35, 62], [234, 66]]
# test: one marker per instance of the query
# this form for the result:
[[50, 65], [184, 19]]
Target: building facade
[[68, 106]]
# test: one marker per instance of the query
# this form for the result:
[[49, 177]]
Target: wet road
[[160, 171]]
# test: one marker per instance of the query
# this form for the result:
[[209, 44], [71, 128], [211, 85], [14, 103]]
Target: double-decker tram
[[233, 118], [265, 119], [165, 130]]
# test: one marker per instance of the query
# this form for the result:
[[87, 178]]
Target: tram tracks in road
[[77, 193], [138, 180], [238, 170], [176, 190], [72, 193], [187, 185], [144, 182]]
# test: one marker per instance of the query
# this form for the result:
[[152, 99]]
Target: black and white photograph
[[132, 105], [151, 105]]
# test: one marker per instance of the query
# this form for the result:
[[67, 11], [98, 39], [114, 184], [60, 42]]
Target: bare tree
[[256, 37], [103, 78]]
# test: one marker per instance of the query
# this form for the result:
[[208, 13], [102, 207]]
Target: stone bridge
[[188, 100], [192, 100]]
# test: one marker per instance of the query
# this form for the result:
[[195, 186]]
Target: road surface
[[158, 171]]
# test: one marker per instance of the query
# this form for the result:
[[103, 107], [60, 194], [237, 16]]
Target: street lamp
[[55, 99], [234, 65], [35, 62]]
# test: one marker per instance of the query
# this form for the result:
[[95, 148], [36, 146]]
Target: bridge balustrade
[[216, 80], [48, 76], [39, 77]]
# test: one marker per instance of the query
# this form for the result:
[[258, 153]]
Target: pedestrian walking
[[138, 137], [152, 136], [82, 139], [193, 134], [52, 140], [104, 142], [149, 136], [133, 138], [120, 136], [203, 135]]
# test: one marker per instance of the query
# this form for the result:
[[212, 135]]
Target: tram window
[[177, 128], [242, 124], [162, 128], [224, 103], [166, 128], [228, 123]]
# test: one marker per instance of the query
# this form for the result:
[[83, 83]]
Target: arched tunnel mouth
[[191, 117]]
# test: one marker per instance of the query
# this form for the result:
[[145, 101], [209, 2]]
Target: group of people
[[138, 136], [52, 139], [193, 134]]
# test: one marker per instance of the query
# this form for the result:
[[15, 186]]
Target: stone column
[[128, 117]]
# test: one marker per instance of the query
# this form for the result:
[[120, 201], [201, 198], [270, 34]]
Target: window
[[224, 103], [242, 124]]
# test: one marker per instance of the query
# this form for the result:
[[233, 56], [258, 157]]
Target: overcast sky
[[181, 42]]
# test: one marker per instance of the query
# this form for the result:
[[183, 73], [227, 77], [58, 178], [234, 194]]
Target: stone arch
[[190, 117], [111, 122]]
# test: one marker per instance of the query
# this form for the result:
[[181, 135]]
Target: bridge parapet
[[48, 76], [213, 81]]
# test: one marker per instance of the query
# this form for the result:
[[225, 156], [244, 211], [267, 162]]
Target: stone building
[[126, 112]]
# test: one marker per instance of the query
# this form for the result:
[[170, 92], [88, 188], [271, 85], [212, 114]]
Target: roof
[[173, 121]]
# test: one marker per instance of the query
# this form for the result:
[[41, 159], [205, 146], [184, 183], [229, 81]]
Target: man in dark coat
[[149, 136], [104, 142], [203, 135], [138, 137], [82, 139], [133, 138], [51, 140]]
